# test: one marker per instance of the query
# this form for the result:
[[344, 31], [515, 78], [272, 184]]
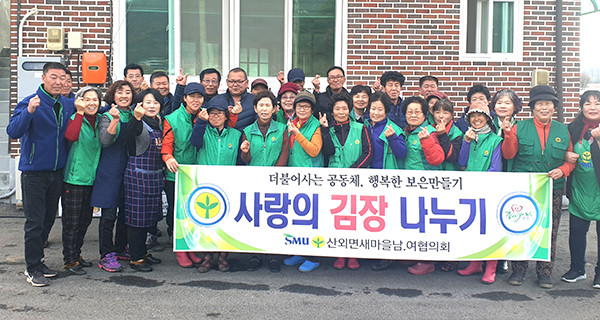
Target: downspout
[[18, 18], [559, 59]]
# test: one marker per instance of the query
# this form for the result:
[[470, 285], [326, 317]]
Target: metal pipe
[[31, 12], [559, 59]]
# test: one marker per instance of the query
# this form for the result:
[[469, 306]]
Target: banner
[[364, 213]]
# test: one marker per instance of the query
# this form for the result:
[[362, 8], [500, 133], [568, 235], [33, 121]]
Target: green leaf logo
[[207, 205], [318, 242]]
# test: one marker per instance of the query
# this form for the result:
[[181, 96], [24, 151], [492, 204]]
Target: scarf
[[588, 125], [483, 130]]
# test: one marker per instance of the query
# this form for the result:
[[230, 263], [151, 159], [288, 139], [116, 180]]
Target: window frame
[[515, 56], [231, 40]]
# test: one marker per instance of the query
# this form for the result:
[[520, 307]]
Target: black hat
[[542, 92]]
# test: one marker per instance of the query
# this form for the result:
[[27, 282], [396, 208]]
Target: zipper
[[58, 124], [31, 153]]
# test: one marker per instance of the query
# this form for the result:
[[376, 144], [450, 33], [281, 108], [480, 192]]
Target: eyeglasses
[[335, 78], [216, 113], [416, 112], [303, 107], [238, 82], [214, 82]]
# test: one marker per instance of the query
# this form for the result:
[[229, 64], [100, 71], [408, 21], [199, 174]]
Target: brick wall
[[92, 18], [415, 37], [420, 37]]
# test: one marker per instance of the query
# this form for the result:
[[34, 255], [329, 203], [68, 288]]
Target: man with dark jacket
[[40, 121], [237, 95], [159, 80], [336, 77]]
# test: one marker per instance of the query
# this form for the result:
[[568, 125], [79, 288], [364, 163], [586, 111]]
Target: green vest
[[585, 192], [480, 152], [299, 157], [345, 155], [531, 158], [183, 151], [508, 165], [389, 159], [415, 157], [265, 151], [220, 150], [84, 156]]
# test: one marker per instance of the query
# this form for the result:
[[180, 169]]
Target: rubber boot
[[490, 272], [183, 259], [473, 268], [339, 263], [194, 258]]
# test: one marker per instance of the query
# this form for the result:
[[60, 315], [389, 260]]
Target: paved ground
[[173, 292]]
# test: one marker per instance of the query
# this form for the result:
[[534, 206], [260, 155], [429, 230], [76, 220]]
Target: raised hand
[[316, 82], [423, 134], [376, 86], [323, 120], [245, 147], [470, 135], [389, 131], [114, 113], [181, 79], [203, 115], [292, 129], [237, 108], [506, 125], [139, 111], [80, 105], [33, 104], [441, 127], [280, 77]]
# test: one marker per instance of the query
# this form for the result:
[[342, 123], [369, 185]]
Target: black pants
[[105, 229], [76, 218], [137, 242], [578, 229], [170, 191], [41, 192]]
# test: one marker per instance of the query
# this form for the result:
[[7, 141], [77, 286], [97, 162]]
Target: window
[[491, 30], [261, 36]]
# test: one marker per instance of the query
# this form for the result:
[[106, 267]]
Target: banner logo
[[519, 213], [206, 205]]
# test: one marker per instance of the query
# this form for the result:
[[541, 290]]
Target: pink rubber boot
[[490, 272], [473, 268]]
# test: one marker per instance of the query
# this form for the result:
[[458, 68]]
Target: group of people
[[123, 156]]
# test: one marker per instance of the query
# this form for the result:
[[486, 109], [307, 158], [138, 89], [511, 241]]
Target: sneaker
[[151, 240], [295, 260], [110, 263], [75, 269], [122, 255], [47, 272], [572, 276], [36, 278], [381, 265], [516, 278], [308, 266], [254, 264], [596, 283], [422, 268], [274, 265], [84, 263], [140, 265], [544, 281], [151, 260]]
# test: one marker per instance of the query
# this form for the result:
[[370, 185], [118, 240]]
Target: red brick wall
[[417, 37], [382, 35], [92, 18]]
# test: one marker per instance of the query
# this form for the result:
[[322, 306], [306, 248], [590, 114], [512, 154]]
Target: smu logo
[[206, 205], [316, 242], [519, 213]]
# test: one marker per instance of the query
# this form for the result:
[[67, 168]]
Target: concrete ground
[[173, 292]]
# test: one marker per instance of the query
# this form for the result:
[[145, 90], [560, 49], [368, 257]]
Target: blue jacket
[[396, 115], [43, 143], [246, 117]]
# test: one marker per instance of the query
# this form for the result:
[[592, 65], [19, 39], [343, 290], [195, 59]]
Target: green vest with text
[[585, 195], [531, 158], [299, 157], [480, 153], [84, 156], [265, 151], [345, 155], [415, 157], [219, 149]]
